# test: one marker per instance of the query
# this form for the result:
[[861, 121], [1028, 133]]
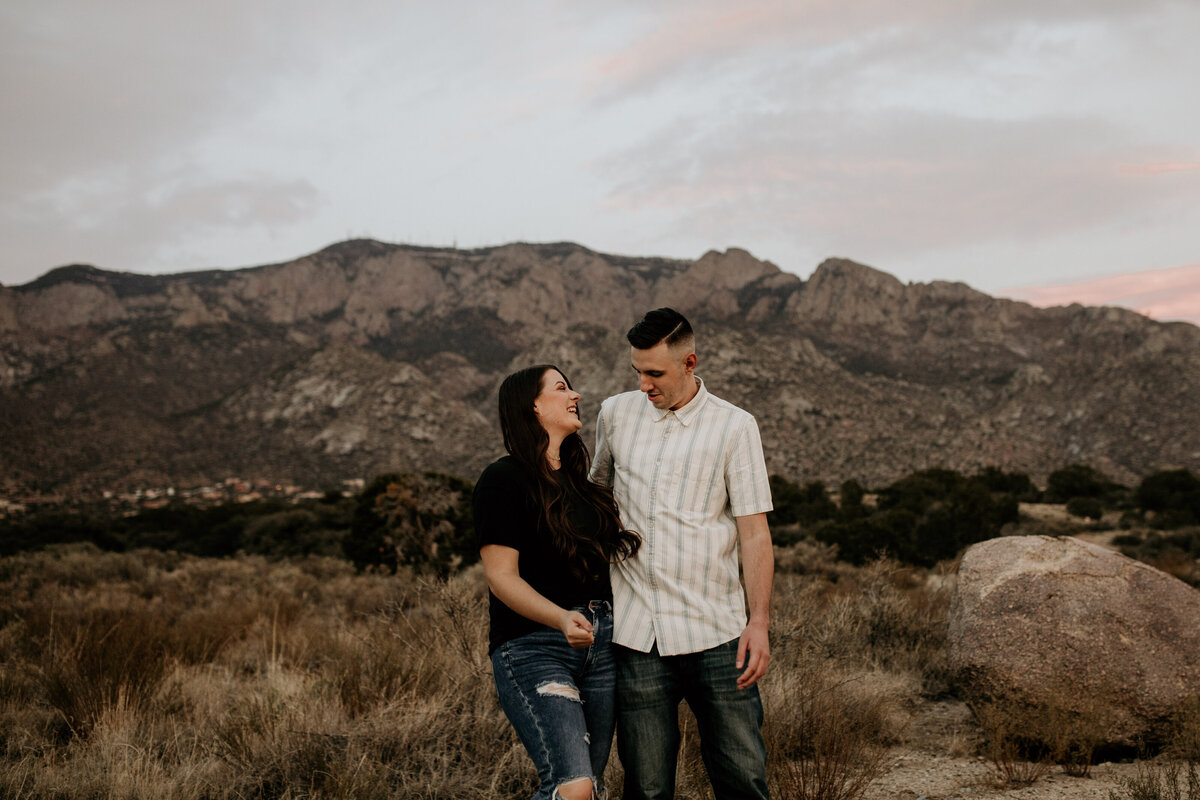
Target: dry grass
[[140, 676], [1168, 781], [154, 676]]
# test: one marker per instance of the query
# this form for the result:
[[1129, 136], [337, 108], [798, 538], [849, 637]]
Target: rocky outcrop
[[108, 378], [1042, 622]]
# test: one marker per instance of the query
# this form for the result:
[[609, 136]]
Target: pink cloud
[[1164, 294], [1159, 168], [703, 33]]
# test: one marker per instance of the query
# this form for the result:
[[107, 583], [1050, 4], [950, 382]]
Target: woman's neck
[[553, 455]]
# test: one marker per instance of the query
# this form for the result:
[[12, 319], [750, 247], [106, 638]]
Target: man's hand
[[754, 652]]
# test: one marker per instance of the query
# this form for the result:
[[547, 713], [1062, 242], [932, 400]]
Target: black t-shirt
[[507, 513]]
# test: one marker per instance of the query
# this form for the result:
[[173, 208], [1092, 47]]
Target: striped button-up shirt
[[680, 478]]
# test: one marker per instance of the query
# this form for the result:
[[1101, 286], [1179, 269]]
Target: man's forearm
[[758, 566]]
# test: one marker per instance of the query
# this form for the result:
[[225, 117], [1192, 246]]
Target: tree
[[1078, 480], [793, 504], [1088, 507], [922, 518], [1174, 495], [1017, 484], [423, 521]]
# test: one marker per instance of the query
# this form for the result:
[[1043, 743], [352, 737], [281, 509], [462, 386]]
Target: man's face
[[665, 375]]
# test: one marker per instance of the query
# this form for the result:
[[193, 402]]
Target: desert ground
[[151, 675]]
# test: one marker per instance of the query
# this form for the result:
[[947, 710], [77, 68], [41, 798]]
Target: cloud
[[898, 181], [1159, 168], [916, 131], [157, 219], [700, 38], [132, 127], [871, 129], [1165, 294]]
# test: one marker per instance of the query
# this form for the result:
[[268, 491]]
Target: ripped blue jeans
[[560, 700]]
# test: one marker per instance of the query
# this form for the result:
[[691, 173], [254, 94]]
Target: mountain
[[367, 357]]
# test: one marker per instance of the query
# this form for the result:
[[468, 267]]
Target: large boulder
[[1037, 621]]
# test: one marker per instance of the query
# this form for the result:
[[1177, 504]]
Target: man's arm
[[758, 568], [602, 462]]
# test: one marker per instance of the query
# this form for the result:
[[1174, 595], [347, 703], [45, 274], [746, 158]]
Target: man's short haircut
[[660, 325]]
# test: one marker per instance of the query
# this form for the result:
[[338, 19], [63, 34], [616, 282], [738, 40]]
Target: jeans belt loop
[[600, 607]]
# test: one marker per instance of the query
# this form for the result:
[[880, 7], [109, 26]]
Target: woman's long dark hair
[[526, 440]]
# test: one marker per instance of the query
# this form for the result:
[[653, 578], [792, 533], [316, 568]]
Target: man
[[688, 474]]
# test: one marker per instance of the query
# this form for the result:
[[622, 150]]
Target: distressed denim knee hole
[[590, 790], [555, 689]]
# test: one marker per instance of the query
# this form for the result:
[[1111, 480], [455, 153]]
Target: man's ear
[[689, 362]]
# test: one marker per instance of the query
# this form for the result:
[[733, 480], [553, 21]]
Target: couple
[[685, 469]]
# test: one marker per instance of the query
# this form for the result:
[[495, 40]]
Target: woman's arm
[[500, 566]]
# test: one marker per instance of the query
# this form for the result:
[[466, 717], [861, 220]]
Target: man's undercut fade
[[661, 325]]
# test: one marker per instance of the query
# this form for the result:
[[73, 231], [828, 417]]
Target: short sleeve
[[746, 472], [502, 508]]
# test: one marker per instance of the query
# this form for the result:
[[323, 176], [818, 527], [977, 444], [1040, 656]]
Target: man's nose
[[645, 384]]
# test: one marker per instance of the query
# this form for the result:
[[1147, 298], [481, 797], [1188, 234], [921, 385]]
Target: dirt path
[[939, 762]]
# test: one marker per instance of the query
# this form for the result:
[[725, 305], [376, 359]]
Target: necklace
[[553, 459]]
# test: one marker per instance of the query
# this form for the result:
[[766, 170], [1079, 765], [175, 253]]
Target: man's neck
[[691, 397]]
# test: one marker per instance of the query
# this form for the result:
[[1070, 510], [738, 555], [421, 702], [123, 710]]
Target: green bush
[[1087, 507], [921, 519], [424, 521], [273, 528], [1080, 480], [850, 497], [1174, 496], [1176, 552], [794, 504], [1015, 483]]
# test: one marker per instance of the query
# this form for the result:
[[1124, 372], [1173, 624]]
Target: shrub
[[1087, 507], [1185, 731], [1080, 480], [850, 497], [1017, 484], [265, 527], [424, 521], [1171, 781], [97, 659], [1175, 552], [1173, 494], [829, 751], [793, 504], [924, 518]]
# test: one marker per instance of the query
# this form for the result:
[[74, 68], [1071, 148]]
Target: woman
[[546, 537]]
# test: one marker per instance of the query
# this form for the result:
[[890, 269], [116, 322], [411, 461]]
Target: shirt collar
[[688, 413]]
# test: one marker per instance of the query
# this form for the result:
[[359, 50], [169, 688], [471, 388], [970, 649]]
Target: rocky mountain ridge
[[366, 357]]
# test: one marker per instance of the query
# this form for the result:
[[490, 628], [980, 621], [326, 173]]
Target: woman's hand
[[577, 629], [505, 581]]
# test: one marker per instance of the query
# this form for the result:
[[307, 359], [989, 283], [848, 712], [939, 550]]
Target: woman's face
[[557, 405]]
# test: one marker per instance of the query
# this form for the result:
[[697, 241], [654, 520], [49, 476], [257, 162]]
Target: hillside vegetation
[[159, 674]]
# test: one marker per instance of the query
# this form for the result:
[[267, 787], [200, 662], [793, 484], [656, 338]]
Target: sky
[[1047, 150]]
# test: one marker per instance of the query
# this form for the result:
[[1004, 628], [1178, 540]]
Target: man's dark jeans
[[649, 688]]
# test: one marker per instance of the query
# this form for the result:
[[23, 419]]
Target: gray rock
[[1042, 622]]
